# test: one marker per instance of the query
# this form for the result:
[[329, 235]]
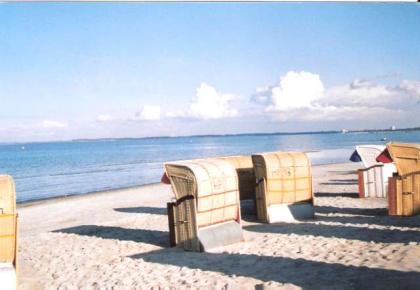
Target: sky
[[113, 70]]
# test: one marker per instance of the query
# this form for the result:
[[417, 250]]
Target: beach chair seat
[[284, 186], [8, 232], [206, 210], [373, 178], [404, 185]]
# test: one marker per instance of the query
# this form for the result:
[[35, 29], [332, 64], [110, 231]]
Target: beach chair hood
[[208, 176], [367, 154], [384, 157], [406, 157], [239, 162]]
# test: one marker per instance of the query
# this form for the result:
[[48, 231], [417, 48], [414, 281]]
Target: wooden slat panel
[[361, 181], [416, 192], [392, 196], [399, 189], [407, 196]]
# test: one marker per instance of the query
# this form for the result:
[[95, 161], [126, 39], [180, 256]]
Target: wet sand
[[119, 240]]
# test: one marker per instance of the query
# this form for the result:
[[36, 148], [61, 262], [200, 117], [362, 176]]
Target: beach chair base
[[220, 235], [404, 195], [7, 276], [290, 212]]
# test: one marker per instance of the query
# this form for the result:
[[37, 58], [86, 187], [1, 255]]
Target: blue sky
[[91, 70]]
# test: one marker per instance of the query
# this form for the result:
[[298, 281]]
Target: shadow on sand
[[337, 194], [337, 231], [157, 238], [379, 211], [301, 272], [344, 172], [406, 222], [340, 182], [143, 209]]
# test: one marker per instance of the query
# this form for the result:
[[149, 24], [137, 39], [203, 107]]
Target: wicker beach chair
[[404, 186], [373, 178], [8, 233], [284, 186], [206, 210]]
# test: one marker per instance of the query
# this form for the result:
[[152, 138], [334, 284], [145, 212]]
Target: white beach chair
[[373, 178]]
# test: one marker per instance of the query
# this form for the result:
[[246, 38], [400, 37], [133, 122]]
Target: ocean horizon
[[44, 170]]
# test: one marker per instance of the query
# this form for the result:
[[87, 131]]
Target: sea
[[55, 169]]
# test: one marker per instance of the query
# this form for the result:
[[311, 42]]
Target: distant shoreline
[[106, 191], [217, 135]]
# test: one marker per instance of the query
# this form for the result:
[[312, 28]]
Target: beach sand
[[119, 240]]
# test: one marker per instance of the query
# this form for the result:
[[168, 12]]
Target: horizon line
[[216, 135]]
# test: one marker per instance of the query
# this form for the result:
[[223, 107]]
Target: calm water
[[43, 170]]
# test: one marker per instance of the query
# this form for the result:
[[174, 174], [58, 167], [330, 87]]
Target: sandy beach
[[119, 240]]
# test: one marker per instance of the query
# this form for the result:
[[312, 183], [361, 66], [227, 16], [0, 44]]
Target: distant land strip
[[218, 135], [251, 134]]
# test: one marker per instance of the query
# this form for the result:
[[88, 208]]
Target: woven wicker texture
[[207, 194], [246, 175], [214, 184], [282, 178], [8, 220]]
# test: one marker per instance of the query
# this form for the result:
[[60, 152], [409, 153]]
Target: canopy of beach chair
[[384, 157], [355, 157], [406, 157], [208, 177], [367, 154], [239, 162]]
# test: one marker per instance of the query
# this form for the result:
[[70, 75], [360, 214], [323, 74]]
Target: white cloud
[[210, 104], [301, 96], [104, 118], [51, 124], [149, 113], [333, 113], [411, 87], [359, 94], [295, 90]]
